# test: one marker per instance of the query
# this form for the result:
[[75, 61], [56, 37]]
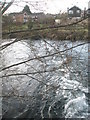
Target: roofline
[[73, 7]]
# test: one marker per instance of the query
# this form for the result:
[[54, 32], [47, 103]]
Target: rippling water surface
[[55, 86]]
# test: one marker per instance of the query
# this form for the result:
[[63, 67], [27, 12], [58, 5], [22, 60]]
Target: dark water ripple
[[28, 98]]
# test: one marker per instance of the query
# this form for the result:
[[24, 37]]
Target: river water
[[49, 83]]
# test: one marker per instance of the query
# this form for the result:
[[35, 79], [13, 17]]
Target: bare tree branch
[[35, 58], [4, 8], [44, 28]]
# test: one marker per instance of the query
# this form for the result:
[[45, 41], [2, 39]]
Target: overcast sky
[[47, 6]]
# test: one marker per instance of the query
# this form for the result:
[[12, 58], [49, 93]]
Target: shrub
[[30, 24]]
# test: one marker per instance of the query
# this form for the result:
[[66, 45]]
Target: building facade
[[20, 17], [74, 12]]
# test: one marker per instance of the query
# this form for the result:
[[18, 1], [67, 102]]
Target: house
[[36, 16], [88, 12], [24, 17], [74, 12], [20, 17]]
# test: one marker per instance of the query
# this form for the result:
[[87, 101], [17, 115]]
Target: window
[[78, 11], [70, 12], [88, 12], [14, 18]]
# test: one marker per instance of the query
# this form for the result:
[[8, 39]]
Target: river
[[52, 82]]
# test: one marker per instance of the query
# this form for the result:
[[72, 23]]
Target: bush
[[30, 24]]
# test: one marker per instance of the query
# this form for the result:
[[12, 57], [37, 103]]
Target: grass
[[57, 33]]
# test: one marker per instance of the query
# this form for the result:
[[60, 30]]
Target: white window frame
[[70, 12], [78, 11]]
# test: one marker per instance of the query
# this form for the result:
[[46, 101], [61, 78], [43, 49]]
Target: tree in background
[[7, 22], [30, 24], [27, 9]]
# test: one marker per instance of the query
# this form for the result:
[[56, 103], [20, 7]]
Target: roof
[[15, 13], [39, 13], [19, 13], [74, 7]]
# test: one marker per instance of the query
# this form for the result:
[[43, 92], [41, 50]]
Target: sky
[[47, 6]]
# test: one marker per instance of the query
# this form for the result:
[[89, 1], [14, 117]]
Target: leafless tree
[[40, 82], [5, 6]]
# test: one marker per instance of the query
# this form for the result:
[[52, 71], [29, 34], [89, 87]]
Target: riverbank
[[65, 31], [56, 34], [50, 86]]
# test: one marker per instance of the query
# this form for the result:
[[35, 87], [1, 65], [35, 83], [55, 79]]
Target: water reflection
[[36, 95]]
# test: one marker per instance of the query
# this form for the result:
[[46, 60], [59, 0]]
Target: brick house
[[24, 17], [20, 17]]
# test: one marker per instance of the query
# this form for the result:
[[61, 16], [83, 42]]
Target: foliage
[[43, 79], [47, 21], [26, 9], [30, 24], [7, 20]]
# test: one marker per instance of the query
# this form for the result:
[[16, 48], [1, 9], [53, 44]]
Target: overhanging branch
[[38, 57]]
